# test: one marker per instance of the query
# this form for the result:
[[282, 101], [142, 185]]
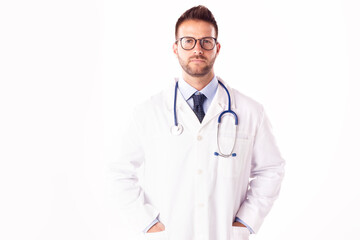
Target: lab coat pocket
[[232, 166], [157, 236], [240, 233]]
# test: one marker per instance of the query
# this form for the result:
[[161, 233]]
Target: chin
[[199, 73]]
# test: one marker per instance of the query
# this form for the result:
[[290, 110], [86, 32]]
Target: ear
[[175, 48], [218, 46]]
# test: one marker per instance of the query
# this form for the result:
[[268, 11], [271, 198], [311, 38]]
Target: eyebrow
[[197, 38]]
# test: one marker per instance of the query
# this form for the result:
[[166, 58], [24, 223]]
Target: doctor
[[202, 179]]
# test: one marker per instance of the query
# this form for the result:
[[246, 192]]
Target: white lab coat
[[194, 193]]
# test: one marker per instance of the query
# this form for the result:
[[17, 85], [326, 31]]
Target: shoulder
[[244, 101], [159, 100], [239, 97], [250, 111]]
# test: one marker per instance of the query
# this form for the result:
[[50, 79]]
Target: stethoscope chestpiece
[[176, 130], [222, 155]]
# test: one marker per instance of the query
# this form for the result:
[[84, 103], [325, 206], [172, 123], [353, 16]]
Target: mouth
[[197, 60]]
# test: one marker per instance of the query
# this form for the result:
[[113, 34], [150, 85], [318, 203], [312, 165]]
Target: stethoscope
[[177, 129]]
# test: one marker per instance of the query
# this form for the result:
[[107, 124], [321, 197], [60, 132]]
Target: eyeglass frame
[[200, 39]]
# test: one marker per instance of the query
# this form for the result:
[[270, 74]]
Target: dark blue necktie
[[198, 106]]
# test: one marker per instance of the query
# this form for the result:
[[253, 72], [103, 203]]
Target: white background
[[72, 70]]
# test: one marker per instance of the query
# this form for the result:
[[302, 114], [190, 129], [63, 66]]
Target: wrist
[[238, 224], [158, 227]]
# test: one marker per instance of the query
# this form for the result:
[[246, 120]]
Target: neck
[[198, 82]]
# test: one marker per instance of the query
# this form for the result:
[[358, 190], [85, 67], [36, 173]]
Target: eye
[[188, 40]]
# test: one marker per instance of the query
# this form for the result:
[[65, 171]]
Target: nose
[[198, 49]]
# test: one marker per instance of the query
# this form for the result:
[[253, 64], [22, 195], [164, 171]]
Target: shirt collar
[[209, 90]]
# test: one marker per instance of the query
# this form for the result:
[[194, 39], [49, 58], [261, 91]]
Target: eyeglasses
[[188, 43]]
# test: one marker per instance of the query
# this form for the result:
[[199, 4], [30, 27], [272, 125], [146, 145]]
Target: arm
[[239, 223], [151, 227], [267, 171], [157, 227], [124, 187]]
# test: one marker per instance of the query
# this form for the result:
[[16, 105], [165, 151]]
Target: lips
[[197, 60]]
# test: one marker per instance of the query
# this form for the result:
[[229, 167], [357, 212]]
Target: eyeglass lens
[[189, 43]]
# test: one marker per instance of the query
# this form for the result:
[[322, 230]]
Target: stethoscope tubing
[[177, 129], [229, 106], [175, 99]]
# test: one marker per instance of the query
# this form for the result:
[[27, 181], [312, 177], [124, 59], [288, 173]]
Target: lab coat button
[[199, 138], [200, 171]]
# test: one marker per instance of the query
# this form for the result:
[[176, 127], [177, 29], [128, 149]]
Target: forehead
[[196, 28]]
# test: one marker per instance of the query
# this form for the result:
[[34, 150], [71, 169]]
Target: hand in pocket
[[240, 233]]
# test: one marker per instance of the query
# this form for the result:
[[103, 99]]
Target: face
[[196, 62]]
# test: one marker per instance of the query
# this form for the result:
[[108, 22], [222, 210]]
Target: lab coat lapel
[[219, 103], [185, 114]]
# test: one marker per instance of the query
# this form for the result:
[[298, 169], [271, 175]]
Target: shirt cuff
[[152, 224], [247, 226]]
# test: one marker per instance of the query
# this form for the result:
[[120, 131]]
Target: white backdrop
[[69, 71]]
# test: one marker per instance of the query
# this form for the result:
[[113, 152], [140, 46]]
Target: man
[[200, 181]]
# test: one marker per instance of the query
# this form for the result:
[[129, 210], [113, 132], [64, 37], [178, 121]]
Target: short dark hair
[[197, 13]]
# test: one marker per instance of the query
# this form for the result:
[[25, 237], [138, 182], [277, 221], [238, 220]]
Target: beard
[[196, 71]]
